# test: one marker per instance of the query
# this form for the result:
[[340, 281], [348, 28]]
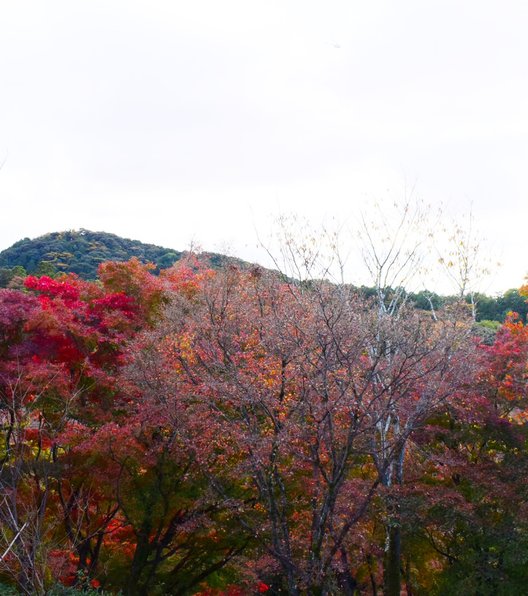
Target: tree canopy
[[229, 431]]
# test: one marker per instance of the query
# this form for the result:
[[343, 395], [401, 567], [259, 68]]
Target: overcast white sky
[[200, 120]]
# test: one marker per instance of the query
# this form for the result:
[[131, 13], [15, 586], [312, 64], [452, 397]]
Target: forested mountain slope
[[81, 252]]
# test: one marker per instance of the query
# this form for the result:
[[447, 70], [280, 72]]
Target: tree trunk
[[392, 573], [139, 562], [392, 563]]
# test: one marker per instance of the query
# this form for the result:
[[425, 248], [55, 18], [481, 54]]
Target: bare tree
[[463, 260]]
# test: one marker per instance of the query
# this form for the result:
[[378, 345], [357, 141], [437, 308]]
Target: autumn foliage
[[235, 432]]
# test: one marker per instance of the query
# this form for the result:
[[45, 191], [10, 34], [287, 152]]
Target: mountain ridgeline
[[82, 251]]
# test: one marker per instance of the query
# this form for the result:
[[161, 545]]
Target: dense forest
[[81, 252], [203, 430]]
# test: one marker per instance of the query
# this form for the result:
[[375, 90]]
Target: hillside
[[81, 252]]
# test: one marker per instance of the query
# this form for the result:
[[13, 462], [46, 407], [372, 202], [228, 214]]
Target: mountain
[[81, 252]]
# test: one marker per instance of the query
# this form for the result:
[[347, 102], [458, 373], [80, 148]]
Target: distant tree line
[[489, 308]]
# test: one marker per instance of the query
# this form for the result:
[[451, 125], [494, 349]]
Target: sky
[[179, 122]]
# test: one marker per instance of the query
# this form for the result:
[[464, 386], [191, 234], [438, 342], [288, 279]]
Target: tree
[[423, 357], [468, 505], [464, 263], [60, 350], [312, 394]]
